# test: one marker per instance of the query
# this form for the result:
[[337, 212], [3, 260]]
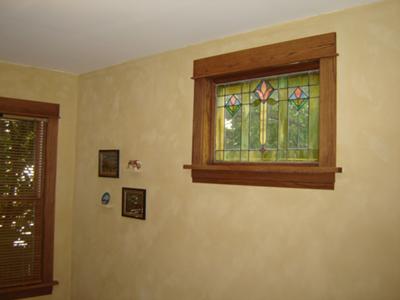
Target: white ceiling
[[82, 35]]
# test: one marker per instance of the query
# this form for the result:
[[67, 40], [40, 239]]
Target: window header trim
[[274, 55], [28, 108]]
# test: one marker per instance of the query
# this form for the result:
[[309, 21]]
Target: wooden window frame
[[316, 52], [50, 112]]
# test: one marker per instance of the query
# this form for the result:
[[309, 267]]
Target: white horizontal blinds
[[21, 174]]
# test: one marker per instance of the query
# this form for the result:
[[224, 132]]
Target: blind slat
[[21, 169]]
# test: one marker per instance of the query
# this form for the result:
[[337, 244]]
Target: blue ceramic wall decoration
[[105, 199]]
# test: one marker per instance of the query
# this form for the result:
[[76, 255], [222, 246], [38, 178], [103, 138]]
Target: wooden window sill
[[295, 176], [25, 291]]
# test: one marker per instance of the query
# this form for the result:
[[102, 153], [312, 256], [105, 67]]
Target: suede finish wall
[[221, 242], [29, 83], [217, 242]]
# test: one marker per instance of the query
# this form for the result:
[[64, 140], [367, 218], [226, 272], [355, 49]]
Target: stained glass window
[[270, 119]]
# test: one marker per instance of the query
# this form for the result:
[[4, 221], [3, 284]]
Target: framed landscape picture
[[134, 203], [109, 163]]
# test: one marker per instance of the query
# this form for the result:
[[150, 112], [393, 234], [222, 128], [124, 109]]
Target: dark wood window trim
[[27, 291], [51, 113], [316, 52]]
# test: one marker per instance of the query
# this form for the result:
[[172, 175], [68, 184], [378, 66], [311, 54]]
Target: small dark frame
[[109, 163], [134, 203]]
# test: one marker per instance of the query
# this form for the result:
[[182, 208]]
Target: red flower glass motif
[[298, 97], [263, 91], [298, 92], [233, 105]]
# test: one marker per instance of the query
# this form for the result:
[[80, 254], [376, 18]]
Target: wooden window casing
[[49, 112], [316, 52]]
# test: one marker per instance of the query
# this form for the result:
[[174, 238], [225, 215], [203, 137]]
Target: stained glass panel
[[233, 131], [271, 119]]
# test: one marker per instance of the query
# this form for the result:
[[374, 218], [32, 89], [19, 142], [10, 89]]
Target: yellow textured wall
[[220, 242], [43, 85]]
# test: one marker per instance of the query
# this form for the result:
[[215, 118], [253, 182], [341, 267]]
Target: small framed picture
[[134, 203], [109, 163]]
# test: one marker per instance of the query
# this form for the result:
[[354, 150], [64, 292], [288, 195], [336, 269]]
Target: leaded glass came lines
[[271, 119]]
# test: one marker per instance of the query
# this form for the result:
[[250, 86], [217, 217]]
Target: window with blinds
[[22, 153]]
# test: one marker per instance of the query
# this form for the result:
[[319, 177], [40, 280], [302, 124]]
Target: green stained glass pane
[[255, 156], [272, 134], [297, 154], [298, 80], [220, 90], [283, 94], [254, 99], [314, 78], [313, 128], [272, 126], [275, 95], [314, 91], [298, 126], [303, 125], [273, 83], [219, 155], [282, 82], [219, 128], [254, 127], [244, 155], [232, 155], [269, 155], [220, 101], [283, 124], [281, 155], [292, 126], [245, 127], [245, 98], [273, 112], [233, 131], [303, 137], [302, 155], [245, 87], [313, 155], [233, 89], [253, 85]]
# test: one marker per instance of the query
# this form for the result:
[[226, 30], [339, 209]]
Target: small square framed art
[[109, 163], [134, 203]]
